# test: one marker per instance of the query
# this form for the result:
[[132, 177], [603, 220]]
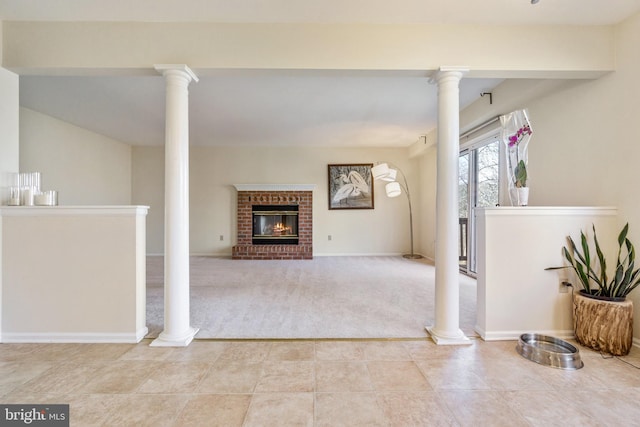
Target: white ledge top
[[275, 187], [109, 210], [547, 210]]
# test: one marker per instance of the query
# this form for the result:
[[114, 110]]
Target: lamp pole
[[385, 175], [405, 187]]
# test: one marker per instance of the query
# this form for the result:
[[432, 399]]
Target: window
[[479, 167]]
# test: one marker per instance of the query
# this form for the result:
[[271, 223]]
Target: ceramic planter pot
[[603, 325]]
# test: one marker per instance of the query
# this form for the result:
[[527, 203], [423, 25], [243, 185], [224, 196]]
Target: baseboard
[[141, 333], [225, 255], [79, 338], [515, 335], [210, 255], [351, 254]]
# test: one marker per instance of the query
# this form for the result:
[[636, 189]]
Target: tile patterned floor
[[319, 383]]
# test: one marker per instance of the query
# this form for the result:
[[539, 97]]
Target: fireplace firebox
[[275, 224]]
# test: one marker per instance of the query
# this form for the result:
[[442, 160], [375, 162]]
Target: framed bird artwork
[[350, 186]]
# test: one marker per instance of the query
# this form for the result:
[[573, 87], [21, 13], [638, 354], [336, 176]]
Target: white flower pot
[[523, 196], [519, 196]]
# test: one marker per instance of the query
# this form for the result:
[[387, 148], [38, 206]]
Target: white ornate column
[[177, 330], [446, 329]]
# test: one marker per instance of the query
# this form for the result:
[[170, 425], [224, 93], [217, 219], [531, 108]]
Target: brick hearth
[[249, 195]]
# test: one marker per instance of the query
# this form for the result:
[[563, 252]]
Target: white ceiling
[[279, 108], [258, 109]]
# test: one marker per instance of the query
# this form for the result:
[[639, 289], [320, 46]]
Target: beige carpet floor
[[327, 297]]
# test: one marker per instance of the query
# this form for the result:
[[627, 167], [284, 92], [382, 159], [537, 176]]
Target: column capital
[[182, 68], [448, 71]]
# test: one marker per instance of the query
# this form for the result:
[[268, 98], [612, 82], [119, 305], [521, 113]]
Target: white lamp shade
[[391, 176], [380, 171], [393, 189]]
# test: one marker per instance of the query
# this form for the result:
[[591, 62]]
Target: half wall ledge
[[73, 274]]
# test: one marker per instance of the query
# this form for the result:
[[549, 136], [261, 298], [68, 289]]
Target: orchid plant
[[516, 133], [520, 170]]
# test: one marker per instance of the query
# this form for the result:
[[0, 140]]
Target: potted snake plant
[[603, 317]]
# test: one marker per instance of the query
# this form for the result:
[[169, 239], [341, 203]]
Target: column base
[[459, 339], [182, 341]]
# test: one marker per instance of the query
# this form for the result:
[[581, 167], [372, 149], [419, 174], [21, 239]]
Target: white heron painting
[[350, 186]]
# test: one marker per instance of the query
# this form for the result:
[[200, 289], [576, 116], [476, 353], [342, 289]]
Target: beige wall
[[9, 141], [488, 50], [214, 170], [147, 189], [9, 145], [585, 150], [86, 168], [113, 173], [426, 196]]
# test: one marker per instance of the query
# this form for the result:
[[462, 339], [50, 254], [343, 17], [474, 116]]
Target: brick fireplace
[[252, 197]]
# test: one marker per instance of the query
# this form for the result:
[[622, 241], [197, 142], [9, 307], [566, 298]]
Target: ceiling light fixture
[[534, 1]]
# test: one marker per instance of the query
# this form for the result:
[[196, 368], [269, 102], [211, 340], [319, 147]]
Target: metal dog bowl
[[549, 351]]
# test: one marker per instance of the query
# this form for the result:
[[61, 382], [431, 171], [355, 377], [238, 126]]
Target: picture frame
[[350, 186]]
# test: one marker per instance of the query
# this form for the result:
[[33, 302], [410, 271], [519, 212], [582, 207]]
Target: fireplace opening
[[275, 224]]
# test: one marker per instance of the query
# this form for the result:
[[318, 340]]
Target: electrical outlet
[[221, 237], [329, 237], [563, 287]]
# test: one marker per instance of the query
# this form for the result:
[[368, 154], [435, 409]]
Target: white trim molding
[[550, 210], [75, 337], [274, 187], [514, 335]]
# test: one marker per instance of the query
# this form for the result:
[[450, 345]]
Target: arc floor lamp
[[382, 172]]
